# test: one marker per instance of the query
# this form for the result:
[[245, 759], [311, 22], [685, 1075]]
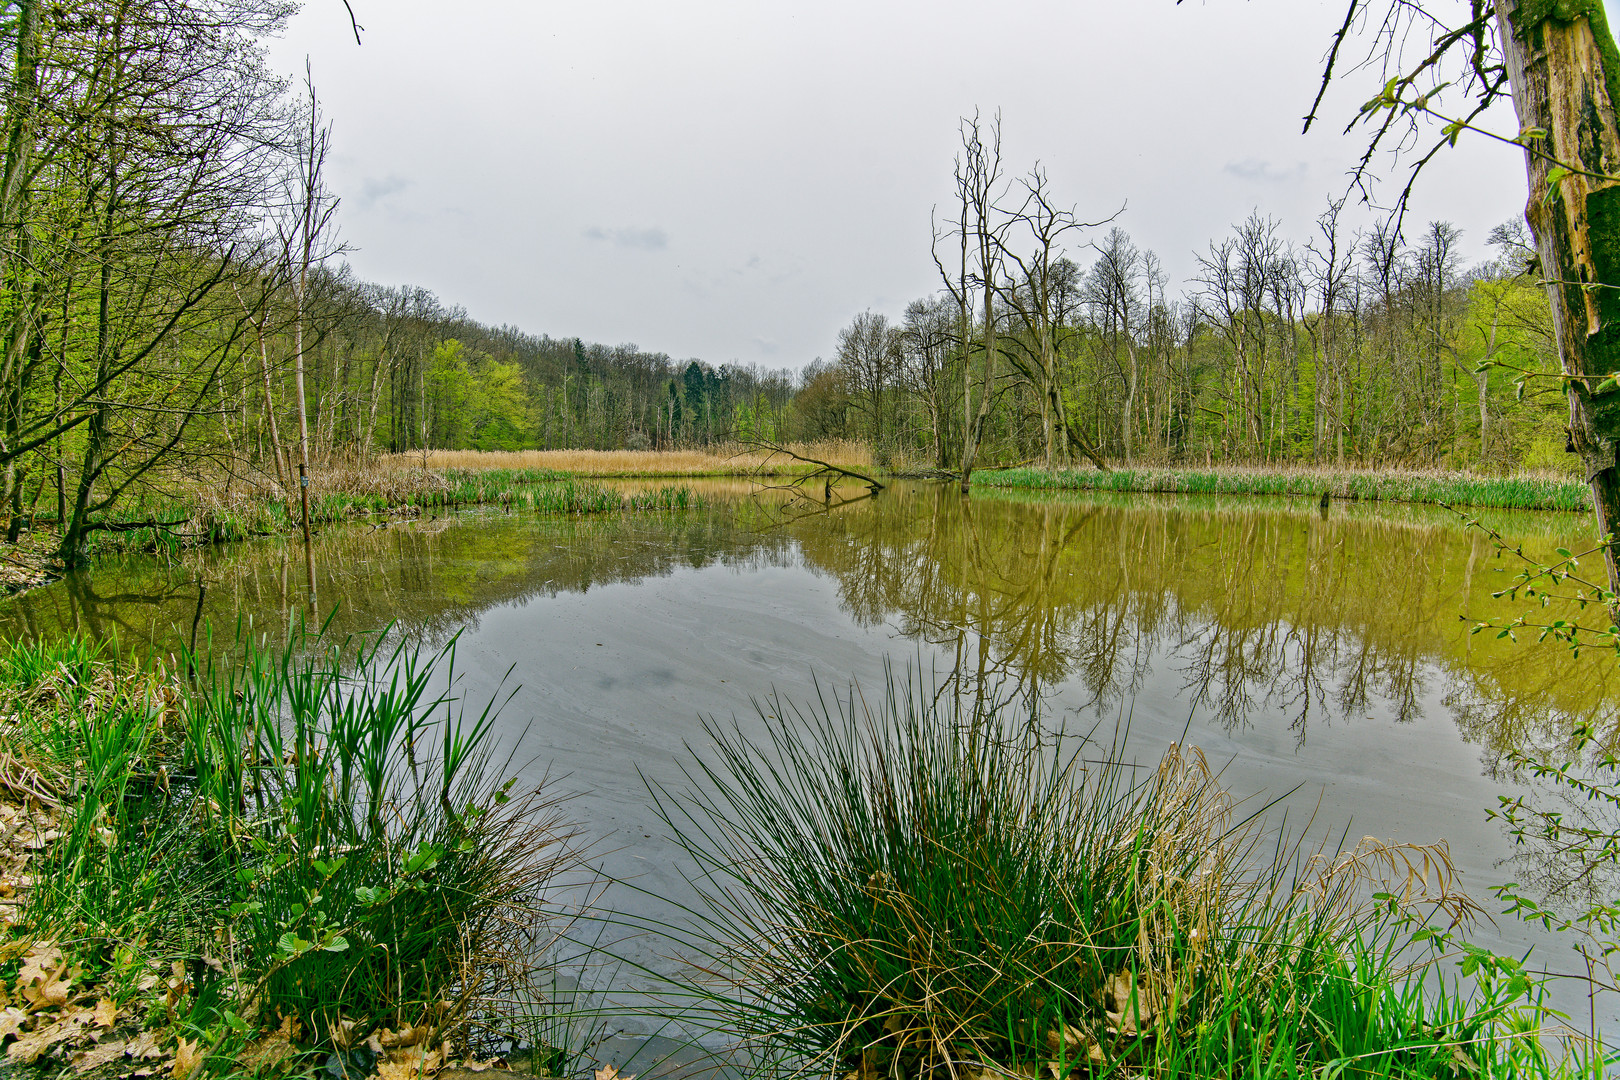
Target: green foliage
[[475, 401]]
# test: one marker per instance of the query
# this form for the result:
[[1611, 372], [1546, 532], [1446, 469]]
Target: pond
[[1320, 658]]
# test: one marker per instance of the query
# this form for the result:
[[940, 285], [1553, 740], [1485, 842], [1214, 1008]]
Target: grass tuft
[[908, 888]]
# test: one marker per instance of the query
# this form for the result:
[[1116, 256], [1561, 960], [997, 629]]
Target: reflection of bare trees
[[1257, 607]]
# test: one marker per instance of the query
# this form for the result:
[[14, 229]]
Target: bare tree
[[1235, 297], [929, 340], [870, 354], [306, 241], [1034, 292], [975, 278], [1329, 270], [1114, 294]]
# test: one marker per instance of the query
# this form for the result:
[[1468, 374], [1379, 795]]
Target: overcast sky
[[735, 179]]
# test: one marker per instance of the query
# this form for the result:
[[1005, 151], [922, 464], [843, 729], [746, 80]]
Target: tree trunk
[[371, 417], [1130, 401], [973, 421], [270, 404], [19, 121], [303, 424], [1565, 76]]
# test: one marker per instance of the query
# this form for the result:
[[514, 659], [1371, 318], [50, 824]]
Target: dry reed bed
[[725, 460]]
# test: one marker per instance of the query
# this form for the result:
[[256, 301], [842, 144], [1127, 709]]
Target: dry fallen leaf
[[186, 1059], [28, 1048], [611, 1072], [11, 1021], [51, 994], [99, 1055], [1073, 1045], [412, 1063], [271, 1050], [1130, 1006], [37, 840], [40, 981], [144, 1045], [106, 1013], [179, 986], [409, 1036]]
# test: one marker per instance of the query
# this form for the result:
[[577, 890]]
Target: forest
[[176, 310]]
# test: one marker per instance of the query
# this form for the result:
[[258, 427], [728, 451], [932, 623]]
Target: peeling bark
[[1563, 69]]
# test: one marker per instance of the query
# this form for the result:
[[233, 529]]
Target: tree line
[[393, 370], [174, 309], [1055, 340]]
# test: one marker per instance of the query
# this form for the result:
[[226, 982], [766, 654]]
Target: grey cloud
[[373, 189], [1258, 170], [644, 239], [773, 272]]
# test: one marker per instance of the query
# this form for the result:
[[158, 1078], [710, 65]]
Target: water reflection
[[1252, 608], [429, 578]]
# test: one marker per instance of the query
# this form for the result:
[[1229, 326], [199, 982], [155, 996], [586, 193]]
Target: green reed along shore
[[300, 857], [1451, 489], [168, 524]]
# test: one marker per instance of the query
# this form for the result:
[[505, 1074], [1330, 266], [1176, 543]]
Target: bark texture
[[1564, 71]]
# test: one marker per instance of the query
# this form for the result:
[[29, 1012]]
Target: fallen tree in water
[[824, 471]]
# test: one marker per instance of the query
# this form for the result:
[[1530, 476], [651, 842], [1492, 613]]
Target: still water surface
[[1322, 655]]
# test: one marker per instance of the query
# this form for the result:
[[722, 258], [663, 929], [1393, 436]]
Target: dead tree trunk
[[1565, 74]]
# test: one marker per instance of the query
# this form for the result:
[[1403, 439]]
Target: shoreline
[[515, 480], [1524, 492]]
